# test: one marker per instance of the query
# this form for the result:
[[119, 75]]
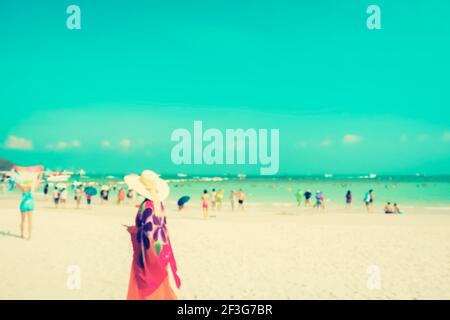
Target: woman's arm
[[19, 186]]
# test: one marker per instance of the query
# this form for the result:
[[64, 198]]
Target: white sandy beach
[[264, 253]]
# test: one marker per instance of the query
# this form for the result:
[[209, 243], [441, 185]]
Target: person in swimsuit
[[308, 195], [368, 200], [56, 195], [241, 198], [78, 195], [348, 199], [205, 203], [320, 201], [26, 209], [213, 199], [232, 196]]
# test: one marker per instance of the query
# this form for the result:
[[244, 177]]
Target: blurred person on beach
[[131, 196], [89, 201], [121, 196], [150, 239], [232, 198], [46, 187], [241, 199], [104, 194], [220, 194], [308, 196], [388, 208], [78, 196], [368, 200], [298, 197], [397, 209], [205, 203], [348, 199], [56, 196], [27, 202], [63, 197], [320, 201], [213, 199]]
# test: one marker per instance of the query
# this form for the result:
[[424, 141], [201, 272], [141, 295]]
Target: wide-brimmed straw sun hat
[[149, 185]]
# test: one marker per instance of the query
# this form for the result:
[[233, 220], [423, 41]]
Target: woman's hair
[[205, 191]]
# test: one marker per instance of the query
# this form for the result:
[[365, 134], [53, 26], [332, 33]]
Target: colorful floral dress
[[152, 253]]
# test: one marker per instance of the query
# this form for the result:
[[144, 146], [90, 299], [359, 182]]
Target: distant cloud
[[106, 144], [76, 144], [125, 143], [446, 136], [326, 142], [18, 143], [63, 145], [351, 138]]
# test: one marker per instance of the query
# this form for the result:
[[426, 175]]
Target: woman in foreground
[[152, 250], [28, 177]]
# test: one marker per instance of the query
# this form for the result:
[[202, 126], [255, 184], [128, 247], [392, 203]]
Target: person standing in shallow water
[[152, 250]]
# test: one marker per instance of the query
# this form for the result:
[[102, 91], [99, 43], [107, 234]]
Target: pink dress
[[152, 253]]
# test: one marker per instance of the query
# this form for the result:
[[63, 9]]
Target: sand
[[271, 252]]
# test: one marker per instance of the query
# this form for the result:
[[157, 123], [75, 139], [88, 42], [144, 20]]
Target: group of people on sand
[[60, 194], [215, 199], [307, 198], [392, 209]]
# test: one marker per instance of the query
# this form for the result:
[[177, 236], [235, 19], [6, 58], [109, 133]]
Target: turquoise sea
[[405, 190]]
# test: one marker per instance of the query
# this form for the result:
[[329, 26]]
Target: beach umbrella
[[183, 200], [91, 191]]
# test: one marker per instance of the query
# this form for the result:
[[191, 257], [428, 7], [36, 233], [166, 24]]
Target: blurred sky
[[106, 98]]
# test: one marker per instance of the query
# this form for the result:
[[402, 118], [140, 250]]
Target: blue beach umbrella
[[91, 191], [183, 200]]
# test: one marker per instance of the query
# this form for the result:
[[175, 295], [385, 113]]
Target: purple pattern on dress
[[160, 228], [144, 227]]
